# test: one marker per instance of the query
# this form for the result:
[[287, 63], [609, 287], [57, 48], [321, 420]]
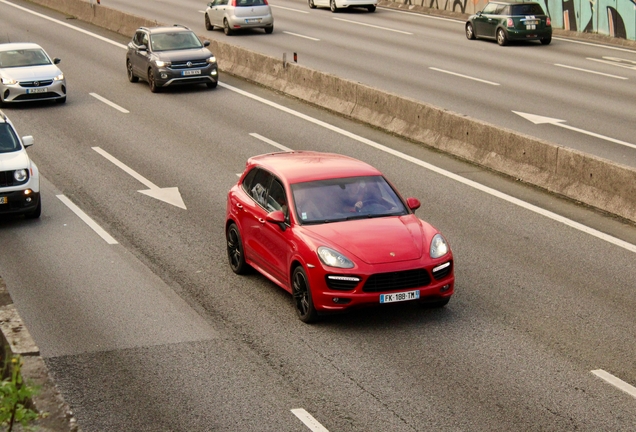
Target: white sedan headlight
[[332, 258], [9, 81], [439, 247], [60, 77]]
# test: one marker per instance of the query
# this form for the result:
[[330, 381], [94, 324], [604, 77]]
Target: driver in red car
[[354, 196]]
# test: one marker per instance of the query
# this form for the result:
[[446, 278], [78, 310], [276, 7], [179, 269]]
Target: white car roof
[[18, 46]]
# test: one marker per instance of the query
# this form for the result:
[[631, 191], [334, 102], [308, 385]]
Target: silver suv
[[19, 176], [166, 56]]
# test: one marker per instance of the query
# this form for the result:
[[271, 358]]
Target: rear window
[[248, 3], [527, 9]]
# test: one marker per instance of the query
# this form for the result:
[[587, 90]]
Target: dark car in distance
[[510, 21], [170, 55]]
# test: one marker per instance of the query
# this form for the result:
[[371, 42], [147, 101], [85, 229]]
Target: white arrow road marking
[[308, 420], [87, 220], [269, 141], [536, 119], [616, 382], [464, 76], [169, 195], [109, 103]]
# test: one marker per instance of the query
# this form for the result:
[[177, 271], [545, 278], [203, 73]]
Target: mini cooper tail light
[[548, 23], [510, 23]]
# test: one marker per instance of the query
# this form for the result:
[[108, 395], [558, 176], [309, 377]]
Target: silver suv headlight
[[332, 258], [20, 175], [211, 60], [439, 247]]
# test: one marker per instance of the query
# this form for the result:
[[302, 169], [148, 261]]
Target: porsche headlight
[[439, 247], [211, 60], [9, 81], [20, 175], [331, 258], [160, 63]]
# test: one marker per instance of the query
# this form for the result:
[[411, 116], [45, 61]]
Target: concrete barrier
[[591, 180]]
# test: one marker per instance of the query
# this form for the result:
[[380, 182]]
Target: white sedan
[[233, 15], [336, 5]]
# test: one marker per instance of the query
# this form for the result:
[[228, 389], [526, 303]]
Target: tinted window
[[490, 8], [527, 9], [174, 41], [276, 199], [346, 198], [8, 141], [256, 183], [247, 3]]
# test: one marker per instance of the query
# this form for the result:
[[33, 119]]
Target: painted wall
[[615, 18]]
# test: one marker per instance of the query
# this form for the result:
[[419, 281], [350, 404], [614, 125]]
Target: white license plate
[[531, 27], [252, 20], [401, 296], [191, 72], [3, 200], [36, 90]]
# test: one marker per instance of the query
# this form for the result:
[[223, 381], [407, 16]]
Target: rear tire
[[311, 4], [226, 28], [302, 296], [208, 24], [269, 30], [332, 6], [546, 41], [371, 8], [502, 39], [129, 70]]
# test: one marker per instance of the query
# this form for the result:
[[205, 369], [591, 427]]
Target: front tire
[[212, 85], [371, 8], [129, 70], [208, 24], [151, 81], [35, 213], [302, 296], [470, 32], [61, 100], [502, 39], [235, 253], [311, 4]]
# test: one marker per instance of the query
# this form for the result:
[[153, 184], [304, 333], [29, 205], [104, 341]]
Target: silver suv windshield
[[174, 41]]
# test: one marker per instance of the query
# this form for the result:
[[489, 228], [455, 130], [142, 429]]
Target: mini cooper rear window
[[527, 9]]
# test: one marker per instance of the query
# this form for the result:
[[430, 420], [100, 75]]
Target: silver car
[[233, 15], [27, 73]]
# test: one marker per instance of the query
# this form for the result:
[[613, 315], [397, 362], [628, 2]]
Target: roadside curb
[[17, 339]]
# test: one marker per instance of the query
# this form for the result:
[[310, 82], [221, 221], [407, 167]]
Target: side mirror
[[206, 43], [27, 141], [278, 218], [56, 60], [413, 203], [142, 48], [210, 4], [479, 13]]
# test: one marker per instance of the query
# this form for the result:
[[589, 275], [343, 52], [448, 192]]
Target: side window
[[258, 186], [502, 10], [276, 199], [490, 8], [144, 39], [247, 181]]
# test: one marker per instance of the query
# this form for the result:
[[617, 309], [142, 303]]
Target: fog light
[[444, 288], [214, 72], [340, 300], [28, 199], [164, 75], [28, 191]]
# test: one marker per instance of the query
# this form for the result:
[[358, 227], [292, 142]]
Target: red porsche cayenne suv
[[332, 231]]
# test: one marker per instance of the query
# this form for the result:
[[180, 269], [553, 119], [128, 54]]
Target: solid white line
[[66, 25], [556, 217], [590, 71], [374, 26], [107, 102], [594, 44], [290, 9], [139, 177], [464, 76], [90, 222], [299, 35], [612, 63], [269, 141], [616, 382], [423, 15], [308, 420]]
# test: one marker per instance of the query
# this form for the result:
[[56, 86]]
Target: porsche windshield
[[345, 198]]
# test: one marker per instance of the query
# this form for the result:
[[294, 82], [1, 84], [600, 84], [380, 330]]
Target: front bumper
[[165, 77], [19, 202], [29, 91], [436, 286]]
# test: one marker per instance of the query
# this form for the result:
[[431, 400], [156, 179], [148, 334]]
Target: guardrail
[[591, 180]]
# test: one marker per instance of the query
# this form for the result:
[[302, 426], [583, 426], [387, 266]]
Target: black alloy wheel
[[302, 296], [470, 33], [235, 250], [502, 39]]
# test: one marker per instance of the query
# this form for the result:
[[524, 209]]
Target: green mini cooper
[[510, 21]]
